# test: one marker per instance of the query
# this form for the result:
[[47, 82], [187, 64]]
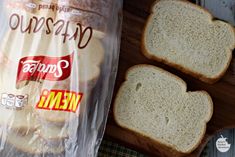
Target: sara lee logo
[[36, 68], [59, 100]]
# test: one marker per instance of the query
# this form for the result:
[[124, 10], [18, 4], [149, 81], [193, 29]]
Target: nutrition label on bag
[[14, 101]]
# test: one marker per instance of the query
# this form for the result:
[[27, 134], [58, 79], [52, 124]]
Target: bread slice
[[154, 103], [184, 36]]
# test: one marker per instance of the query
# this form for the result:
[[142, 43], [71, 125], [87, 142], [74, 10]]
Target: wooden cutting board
[[223, 92]]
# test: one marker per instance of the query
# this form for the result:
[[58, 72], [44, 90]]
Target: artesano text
[[82, 35]]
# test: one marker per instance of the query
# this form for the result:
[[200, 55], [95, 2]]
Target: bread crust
[[178, 66], [167, 149]]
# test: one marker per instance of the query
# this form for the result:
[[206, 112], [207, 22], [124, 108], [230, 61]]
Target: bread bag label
[[12, 101], [59, 100], [56, 27], [44, 68], [36, 18]]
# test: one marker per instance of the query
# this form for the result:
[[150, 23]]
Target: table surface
[[223, 92]]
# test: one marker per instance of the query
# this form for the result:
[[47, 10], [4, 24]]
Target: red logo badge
[[35, 68]]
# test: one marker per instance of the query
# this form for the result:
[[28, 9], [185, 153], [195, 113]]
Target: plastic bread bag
[[58, 64]]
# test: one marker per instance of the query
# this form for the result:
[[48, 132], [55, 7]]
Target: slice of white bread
[[33, 144], [186, 37], [155, 103]]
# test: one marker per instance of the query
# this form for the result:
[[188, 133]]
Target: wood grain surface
[[223, 92]]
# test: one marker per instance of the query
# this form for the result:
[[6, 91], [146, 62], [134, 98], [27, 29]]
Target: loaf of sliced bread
[[155, 104], [186, 37], [84, 73], [36, 130]]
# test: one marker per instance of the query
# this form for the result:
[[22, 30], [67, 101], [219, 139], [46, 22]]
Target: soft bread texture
[[184, 36], [155, 104]]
